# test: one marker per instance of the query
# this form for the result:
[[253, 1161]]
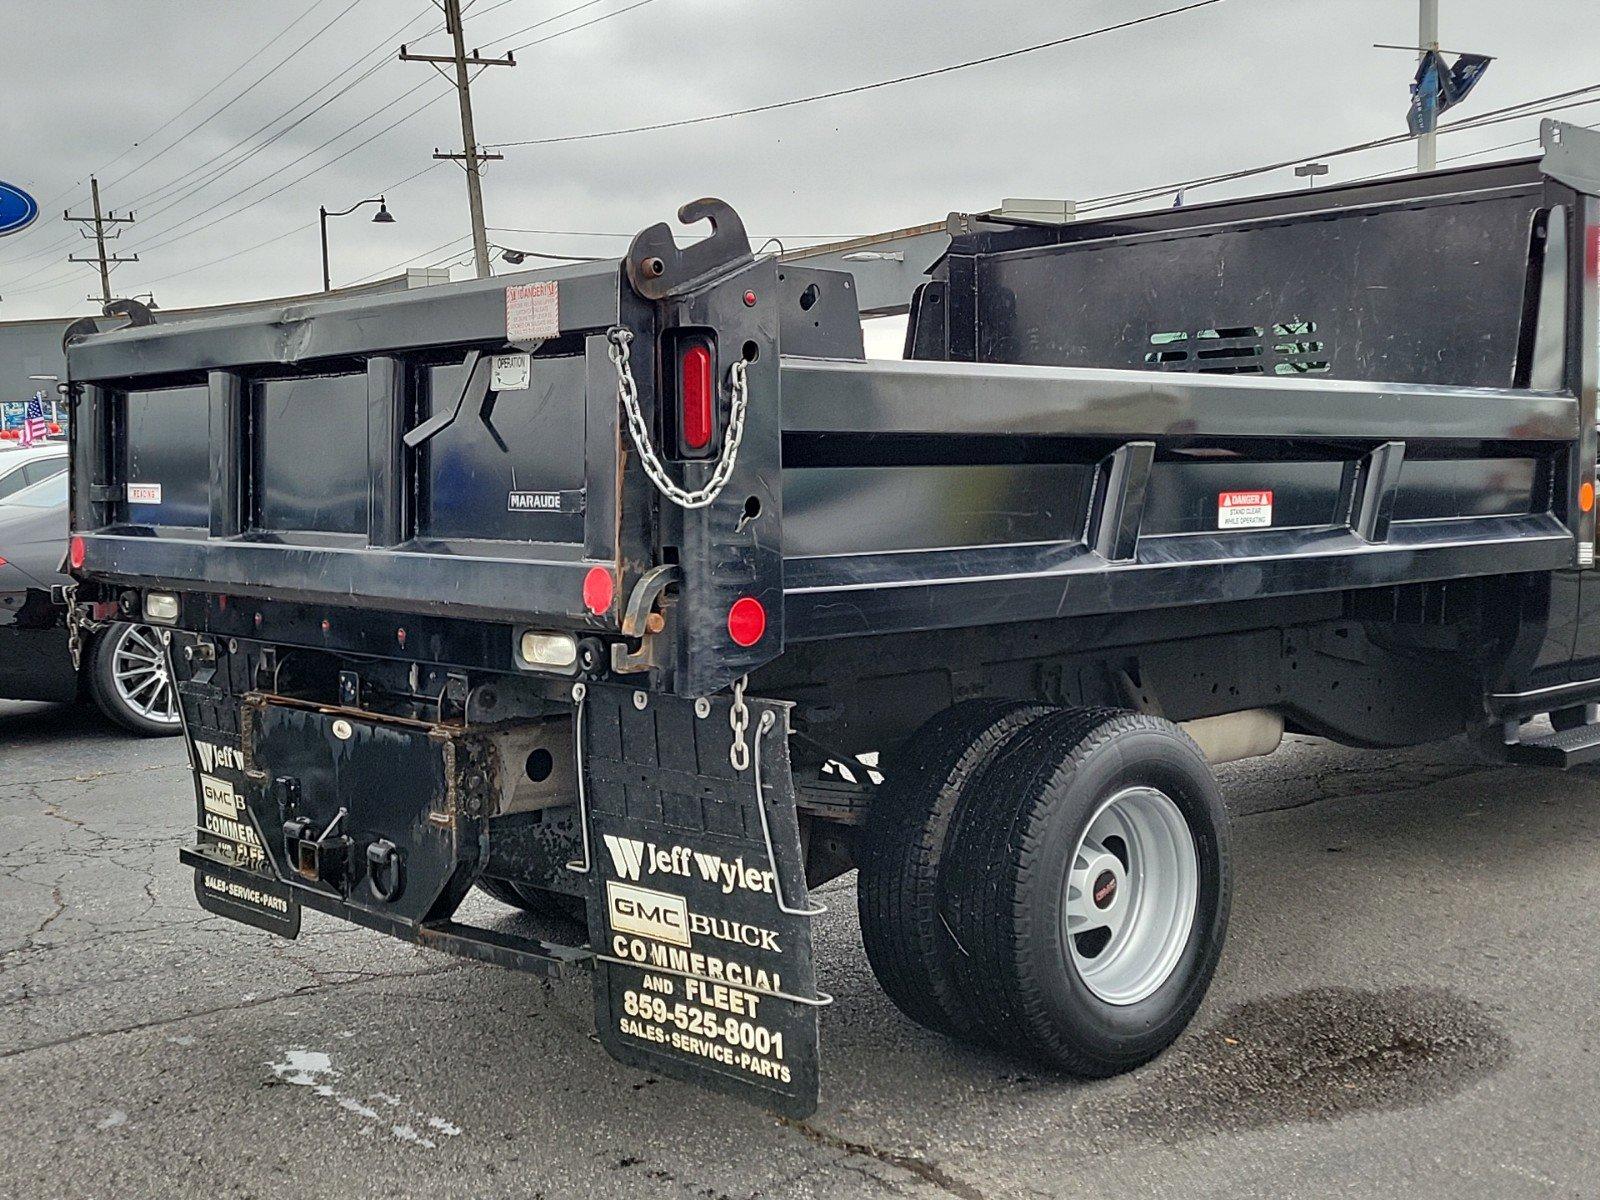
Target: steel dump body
[[1323, 461], [1059, 445]]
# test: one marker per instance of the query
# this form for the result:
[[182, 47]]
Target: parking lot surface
[[1406, 1007]]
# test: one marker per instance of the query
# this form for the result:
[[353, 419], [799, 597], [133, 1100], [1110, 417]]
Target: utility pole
[[1427, 41], [101, 221], [471, 157]]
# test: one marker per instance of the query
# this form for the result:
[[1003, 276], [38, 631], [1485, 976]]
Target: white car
[[24, 465]]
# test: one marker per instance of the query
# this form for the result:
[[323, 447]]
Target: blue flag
[[1439, 87]]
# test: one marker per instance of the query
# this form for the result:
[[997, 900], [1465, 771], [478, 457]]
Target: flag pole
[[1428, 39]]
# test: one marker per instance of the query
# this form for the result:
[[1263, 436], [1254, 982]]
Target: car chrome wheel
[[139, 672], [1131, 895]]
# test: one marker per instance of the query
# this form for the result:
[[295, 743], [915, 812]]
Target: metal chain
[[739, 721], [77, 624], [628, 392]]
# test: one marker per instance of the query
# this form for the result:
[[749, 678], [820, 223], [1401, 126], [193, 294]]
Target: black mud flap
[[234, 876], [248, 898], [699, 916]]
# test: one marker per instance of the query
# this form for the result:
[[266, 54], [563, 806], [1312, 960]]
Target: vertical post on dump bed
[[715, 294]]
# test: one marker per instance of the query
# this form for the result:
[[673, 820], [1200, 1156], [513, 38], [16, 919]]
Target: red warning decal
[[1244, 510]]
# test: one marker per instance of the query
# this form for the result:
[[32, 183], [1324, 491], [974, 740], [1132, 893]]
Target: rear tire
[[128, 680], [903, 845], [541, 902], [1089, 822]]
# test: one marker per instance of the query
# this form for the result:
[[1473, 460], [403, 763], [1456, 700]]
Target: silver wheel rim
[[1130, 896], [139, 671]]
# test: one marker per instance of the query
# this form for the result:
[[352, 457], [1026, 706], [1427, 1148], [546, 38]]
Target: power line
[[379, 51], [138, 200], [393, 187], [302, 157], [799, 237], [240, 192], [233, 74], [278, 66], [279, 170], [1497, 116], [65, 192], [278, 191], [413, 257], [538, 24], [573, 28], [864, 87]]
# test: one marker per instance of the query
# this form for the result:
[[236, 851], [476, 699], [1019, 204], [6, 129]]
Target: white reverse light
[[160, 607], [552, 651]]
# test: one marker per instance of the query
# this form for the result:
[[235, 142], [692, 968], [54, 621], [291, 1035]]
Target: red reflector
[[75, 553], [598, 590], [695, 376], [747, 621]]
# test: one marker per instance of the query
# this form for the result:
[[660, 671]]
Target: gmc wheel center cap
[[1105, 889]]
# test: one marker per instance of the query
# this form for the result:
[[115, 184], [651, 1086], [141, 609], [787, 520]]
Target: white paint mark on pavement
[[404, 1133], [304, 1068]]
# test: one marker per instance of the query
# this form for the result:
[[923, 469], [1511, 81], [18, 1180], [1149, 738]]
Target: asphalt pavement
[[1406, 1007]]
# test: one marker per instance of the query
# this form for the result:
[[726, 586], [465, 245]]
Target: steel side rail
[[974, 399]]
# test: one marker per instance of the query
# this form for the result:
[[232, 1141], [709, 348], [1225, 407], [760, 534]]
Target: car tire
[[903, 844], [128, 680], [1081, 809], [540, 902]]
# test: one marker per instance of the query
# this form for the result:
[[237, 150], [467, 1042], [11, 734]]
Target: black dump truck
[[633, 595]]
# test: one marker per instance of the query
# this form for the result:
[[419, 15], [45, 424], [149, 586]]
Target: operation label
[[702, 973], [510, 372], [1244, 510]]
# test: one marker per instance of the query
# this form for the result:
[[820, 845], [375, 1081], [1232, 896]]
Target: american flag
[[34, 426]]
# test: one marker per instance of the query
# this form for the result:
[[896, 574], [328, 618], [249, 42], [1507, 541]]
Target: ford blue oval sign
[[17, 209]]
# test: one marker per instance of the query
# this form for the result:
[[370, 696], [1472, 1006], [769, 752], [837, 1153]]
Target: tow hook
[[385, 870]]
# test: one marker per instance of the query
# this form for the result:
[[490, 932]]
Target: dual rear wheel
[[1051, 882]]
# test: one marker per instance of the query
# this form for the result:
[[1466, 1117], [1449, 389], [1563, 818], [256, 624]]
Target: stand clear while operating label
[[1244, 510]]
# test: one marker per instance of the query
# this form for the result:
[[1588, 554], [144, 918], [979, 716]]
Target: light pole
[[382, 217], [1310, 171]]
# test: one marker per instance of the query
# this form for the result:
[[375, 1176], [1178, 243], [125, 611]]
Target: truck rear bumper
[[236, 893]]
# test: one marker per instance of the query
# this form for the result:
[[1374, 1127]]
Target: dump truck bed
[[1363, 386]]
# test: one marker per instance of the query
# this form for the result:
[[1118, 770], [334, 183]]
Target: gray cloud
[[1239, 83]]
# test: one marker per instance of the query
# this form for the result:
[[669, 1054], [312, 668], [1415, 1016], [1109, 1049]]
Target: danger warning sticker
[[533, 311], [1244, 510]]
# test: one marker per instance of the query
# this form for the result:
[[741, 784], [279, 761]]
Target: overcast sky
[[86, 83]]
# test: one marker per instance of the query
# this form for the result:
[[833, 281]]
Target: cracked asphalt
[[1407, 1006]]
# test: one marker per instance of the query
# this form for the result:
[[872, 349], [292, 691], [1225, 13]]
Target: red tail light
[[698, 395], [599, 589], [747, 621], [75, 553]]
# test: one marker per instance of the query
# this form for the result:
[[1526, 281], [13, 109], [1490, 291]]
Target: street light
[[382, 217], [1310, 172]]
